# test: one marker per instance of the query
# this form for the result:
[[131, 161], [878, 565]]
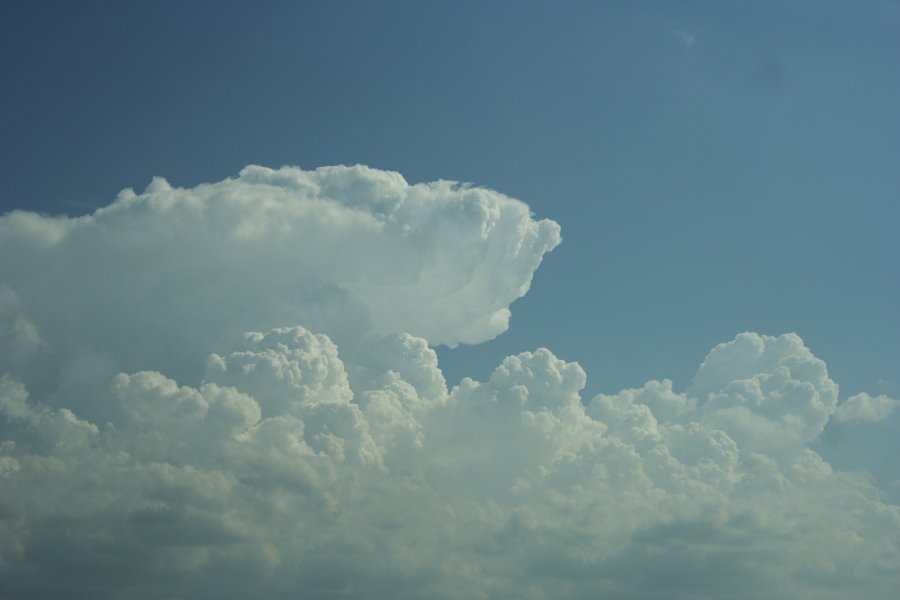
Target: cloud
[[863, 407], [297, 462], [20, 334], [767, 391], [161, 279], [686, 38]]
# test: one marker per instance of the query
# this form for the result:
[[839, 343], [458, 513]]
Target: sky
[[449, 299]]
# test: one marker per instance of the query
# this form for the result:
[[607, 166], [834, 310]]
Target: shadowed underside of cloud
[[230, 391]]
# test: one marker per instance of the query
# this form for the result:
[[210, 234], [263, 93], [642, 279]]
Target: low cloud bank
[[230, 391]]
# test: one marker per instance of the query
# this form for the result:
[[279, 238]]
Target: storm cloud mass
[[230, 391]]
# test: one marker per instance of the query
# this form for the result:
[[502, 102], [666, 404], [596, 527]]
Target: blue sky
[[746, 181], [714, 168]]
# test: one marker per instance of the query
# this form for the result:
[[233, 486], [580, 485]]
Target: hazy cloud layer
[[315, 451]]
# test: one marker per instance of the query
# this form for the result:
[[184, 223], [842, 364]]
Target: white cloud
[[334, 462], [768, 392], [863, 407], [20, 337], [162, 279]]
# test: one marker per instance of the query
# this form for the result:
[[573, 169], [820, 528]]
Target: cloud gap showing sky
[[231, 390]]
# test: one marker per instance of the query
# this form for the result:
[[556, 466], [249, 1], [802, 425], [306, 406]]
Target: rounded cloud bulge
[[160, 278]]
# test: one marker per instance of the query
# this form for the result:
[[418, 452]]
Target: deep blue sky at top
[[745, 181]]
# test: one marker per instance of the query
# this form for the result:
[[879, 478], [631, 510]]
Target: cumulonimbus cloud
[[315, 450], [161, 279]]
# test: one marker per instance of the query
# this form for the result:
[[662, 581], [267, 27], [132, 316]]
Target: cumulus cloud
[[863, 407], [318, 452], [163, 278], [768, 391], [20, 336]]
